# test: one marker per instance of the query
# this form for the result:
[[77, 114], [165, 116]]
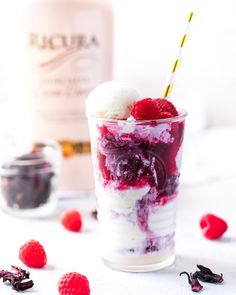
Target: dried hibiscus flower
[[18, 278], [193, 282], [95, 214], [206, 275]]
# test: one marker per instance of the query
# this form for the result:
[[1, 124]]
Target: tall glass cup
[[136, 170]]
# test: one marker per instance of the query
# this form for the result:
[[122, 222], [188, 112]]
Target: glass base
[[152, 266]]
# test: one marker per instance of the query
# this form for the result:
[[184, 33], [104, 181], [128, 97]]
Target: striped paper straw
[[176, 64]]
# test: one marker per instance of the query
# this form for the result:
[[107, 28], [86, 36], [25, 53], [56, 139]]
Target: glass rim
[[182, 113]]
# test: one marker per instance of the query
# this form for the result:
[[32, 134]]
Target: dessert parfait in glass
[[136, 150]]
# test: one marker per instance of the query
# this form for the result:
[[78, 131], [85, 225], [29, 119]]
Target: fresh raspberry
[[165, 108], [145, 109], [72, 220], [33, 254], [212, 226], [153, 109], [73, 283]]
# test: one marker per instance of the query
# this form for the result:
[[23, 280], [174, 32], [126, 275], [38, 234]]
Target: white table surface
[[69, 251]]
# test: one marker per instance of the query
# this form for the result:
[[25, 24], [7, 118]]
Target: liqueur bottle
[[62, 49]]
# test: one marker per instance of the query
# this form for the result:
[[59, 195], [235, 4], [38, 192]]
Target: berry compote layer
[[137, 179]]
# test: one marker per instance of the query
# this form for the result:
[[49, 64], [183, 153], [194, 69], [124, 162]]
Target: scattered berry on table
[[33, 254], [72, 220], [213, 227], [73, 283]]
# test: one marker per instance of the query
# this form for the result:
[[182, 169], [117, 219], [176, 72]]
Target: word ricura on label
[[60, 41]]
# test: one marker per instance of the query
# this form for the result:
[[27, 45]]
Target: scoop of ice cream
[[111, 100]]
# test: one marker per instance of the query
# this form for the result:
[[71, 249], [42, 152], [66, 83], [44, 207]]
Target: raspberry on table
[[213, 227], [33, 254], [72, 220], [73, 283]]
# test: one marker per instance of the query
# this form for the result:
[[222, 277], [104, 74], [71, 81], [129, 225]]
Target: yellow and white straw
[[176, 64]]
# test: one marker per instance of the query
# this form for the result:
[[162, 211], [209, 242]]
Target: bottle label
[[65, 65]]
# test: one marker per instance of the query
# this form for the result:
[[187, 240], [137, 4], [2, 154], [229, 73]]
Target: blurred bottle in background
[[56, 52]]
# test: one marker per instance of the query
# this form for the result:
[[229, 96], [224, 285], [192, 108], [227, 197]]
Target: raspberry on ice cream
[[166, 108], [145, 109], [153, 109]]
